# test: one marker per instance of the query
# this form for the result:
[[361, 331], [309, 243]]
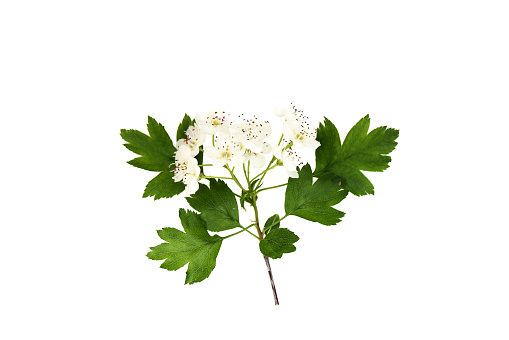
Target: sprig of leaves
[[339, 170]]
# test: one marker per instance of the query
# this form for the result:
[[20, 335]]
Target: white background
[[424, 258]]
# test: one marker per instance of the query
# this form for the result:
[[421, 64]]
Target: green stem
[[245, 174], [261, 179], [280, 140], [249, 226], [276, 186], [227, 167], [241, 231], [205, 164], [253, 235], [268, 228], [257, 220], [267, 169], [248, 168], [287, 146], [215, 177]]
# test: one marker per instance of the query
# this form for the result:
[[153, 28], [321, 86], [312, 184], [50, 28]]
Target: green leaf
[[314, 201], [361, 151], [217, 205], [163, 186], [156, 150], [157, 154], [271, 223], [330, 145], [278, 242], [243, 198], [181, 131], [194, 246]]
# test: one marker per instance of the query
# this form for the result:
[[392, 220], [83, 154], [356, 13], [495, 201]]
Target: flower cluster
[[241, 140]]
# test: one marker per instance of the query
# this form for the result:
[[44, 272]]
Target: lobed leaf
[[156, 149], [330, 145], [194, 247], [217, 205], [278, 242], [314, 201], [163, 186], [157, 154], [360, 151]]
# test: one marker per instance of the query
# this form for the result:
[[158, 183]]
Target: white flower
[[257, 158], [290, 113], [283, 112], [289, 159], [226, 150], [186, 169], [195, 139], [249, 132], [301, 133], [266, 148], [213, 122]]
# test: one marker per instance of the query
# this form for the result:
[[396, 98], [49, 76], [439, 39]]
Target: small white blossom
[[186, 169], [289, 159], [249, 132], [266, 148], [226, 150], [297, 129], [257, 158], [301, 133], [290, 113], [283, 112], [195, 139], [213, 122]]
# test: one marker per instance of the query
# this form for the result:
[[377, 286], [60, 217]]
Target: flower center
[[226, 154], [217, 121]]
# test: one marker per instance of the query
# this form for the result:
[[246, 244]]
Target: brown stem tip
[[276, 301]]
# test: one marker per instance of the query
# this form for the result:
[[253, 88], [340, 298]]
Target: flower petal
[[213, 153], [258, 160], [209, 129], [192, 187]]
